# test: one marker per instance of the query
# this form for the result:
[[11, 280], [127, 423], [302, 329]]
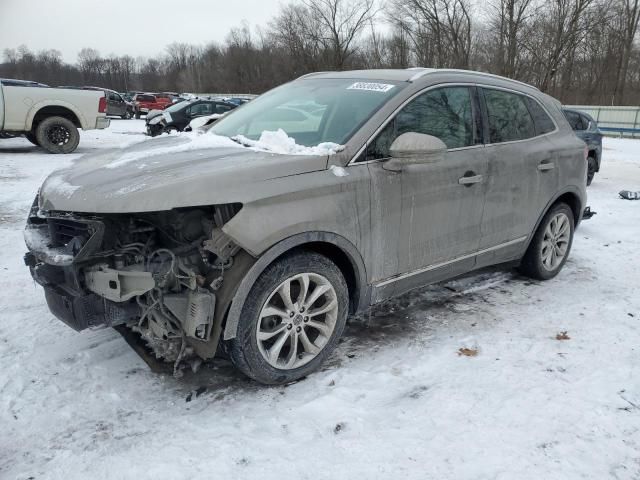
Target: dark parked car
[[587, 130], [117, 106], [178, 116]]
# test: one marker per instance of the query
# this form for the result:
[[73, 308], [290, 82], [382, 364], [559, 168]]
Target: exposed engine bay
[[162, 275]]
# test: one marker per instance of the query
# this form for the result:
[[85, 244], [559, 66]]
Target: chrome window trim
[[443, 85], [449, 262]]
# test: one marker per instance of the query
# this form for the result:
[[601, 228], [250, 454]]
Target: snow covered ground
[[396, 400]]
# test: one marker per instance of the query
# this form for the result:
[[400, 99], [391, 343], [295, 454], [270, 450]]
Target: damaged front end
[[168, 276]]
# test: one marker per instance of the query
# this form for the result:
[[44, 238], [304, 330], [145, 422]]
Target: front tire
[[551, 244], [57, 135], [292, 320]]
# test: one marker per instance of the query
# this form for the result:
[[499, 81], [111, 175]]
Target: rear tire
[[127, 115], [591, 169], [551, 244], [286, 331], [57, 135]]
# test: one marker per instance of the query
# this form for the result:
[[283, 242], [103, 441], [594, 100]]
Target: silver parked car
[[381, 181]]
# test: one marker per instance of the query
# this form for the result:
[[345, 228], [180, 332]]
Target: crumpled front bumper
[[56, 245]]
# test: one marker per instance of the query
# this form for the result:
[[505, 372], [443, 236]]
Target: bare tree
[[630, 16], [342, 22], [507, 22], [440, 30]]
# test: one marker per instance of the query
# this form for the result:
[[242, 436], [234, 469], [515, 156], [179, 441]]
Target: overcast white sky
[[134, 27]]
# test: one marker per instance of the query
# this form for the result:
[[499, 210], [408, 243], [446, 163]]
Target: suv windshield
[[311, 111]]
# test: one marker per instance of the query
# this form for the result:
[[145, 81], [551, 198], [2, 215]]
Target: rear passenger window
[[541, 119], [509, 117]]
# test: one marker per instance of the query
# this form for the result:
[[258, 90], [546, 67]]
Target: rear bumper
[[102, 122]]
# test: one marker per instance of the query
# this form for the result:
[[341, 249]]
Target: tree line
[[580, 51]]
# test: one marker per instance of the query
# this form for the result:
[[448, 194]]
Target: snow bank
[[280, 142]]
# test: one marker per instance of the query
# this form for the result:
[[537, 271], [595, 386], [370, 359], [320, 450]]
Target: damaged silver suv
[[311, 203]]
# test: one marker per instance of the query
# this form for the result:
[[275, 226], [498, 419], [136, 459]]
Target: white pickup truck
[[49, 117]]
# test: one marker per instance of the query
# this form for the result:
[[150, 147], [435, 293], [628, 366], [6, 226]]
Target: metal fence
[[616, 121]]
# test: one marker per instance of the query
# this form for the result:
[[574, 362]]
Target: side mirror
[[413, 148]]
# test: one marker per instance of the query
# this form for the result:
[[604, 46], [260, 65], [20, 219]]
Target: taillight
[[102, 105]]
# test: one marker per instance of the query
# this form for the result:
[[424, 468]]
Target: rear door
[[523, 175]]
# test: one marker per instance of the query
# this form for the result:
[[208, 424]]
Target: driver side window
[[445, 113]]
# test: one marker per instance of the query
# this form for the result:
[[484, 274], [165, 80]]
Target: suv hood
[[170, 172]]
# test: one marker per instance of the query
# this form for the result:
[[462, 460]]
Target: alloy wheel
[[297, 321], [555, 242]]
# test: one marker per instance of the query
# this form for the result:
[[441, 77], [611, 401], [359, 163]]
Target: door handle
[[546, 165], [470, 180]]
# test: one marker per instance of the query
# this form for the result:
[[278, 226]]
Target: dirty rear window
[[311, 111]]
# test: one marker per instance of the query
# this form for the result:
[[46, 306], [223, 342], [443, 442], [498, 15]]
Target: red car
[[145, 102]]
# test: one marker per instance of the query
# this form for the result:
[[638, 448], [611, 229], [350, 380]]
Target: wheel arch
[[571, 196], [338, 249], [41, 111]]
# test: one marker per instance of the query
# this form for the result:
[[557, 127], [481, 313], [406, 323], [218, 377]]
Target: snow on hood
[[171, 171], [272, 142], [280, 142], [187, 141]]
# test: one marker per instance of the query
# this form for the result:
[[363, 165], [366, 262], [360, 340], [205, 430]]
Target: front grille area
[[62, 231]]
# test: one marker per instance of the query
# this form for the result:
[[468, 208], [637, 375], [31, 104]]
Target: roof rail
[[423, 71], [310, 74]]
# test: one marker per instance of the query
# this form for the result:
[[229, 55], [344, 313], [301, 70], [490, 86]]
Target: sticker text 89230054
[[371, 86]]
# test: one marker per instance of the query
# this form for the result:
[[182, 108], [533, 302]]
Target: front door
[[440, 204]]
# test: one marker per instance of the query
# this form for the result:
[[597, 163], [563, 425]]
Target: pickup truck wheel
[[32, 138], [57, 135], [292, 319], [550, 246]]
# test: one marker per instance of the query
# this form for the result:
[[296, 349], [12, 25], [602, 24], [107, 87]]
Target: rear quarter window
[[541, 119], [508, 116]]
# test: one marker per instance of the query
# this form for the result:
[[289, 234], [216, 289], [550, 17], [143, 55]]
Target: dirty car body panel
[[204, 223]]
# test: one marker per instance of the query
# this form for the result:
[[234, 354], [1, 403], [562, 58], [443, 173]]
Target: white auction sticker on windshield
[[372, 87]]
